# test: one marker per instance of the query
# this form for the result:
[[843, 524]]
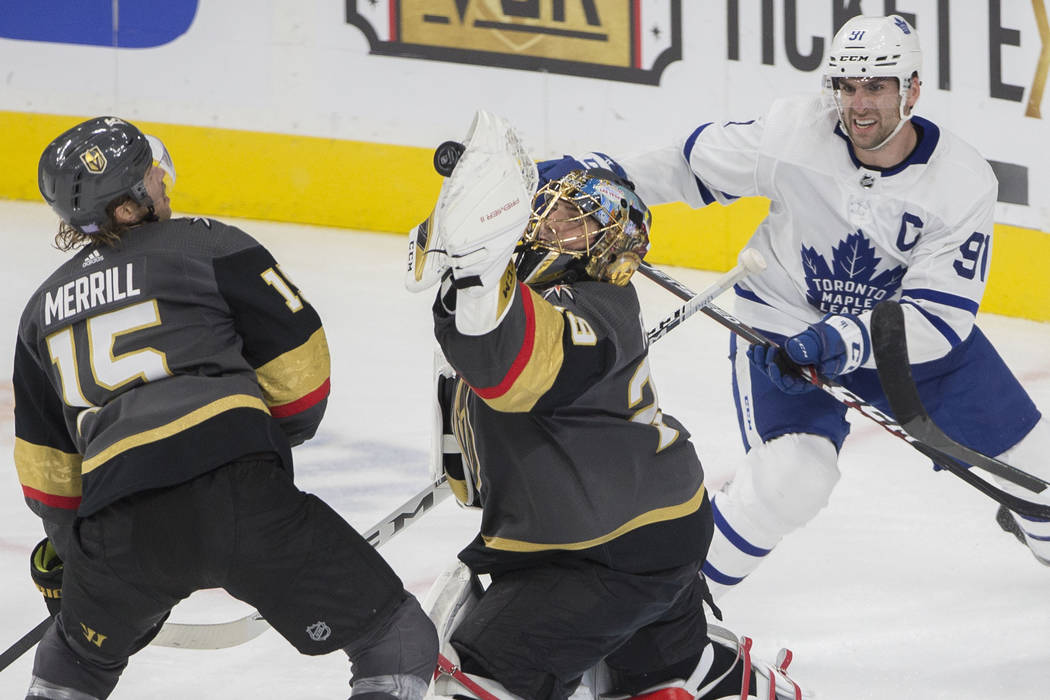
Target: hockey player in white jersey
[[868, 202]]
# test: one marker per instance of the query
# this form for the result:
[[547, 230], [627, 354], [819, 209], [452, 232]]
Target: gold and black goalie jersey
[[558, 422], [143, 365]]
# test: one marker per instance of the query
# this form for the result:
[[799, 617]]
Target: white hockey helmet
[[875, 47]]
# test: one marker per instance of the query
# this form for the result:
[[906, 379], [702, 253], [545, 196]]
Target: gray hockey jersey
[[145, 364]]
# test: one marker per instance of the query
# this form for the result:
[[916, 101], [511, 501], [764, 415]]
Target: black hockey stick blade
[[24, 644], [890, 346]]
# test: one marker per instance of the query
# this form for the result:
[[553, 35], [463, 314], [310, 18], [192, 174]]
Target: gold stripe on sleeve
[[297, 372], [543, 363], [47, 470]]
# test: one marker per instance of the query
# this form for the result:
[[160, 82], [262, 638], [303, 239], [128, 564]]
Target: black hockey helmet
[[96, 162]]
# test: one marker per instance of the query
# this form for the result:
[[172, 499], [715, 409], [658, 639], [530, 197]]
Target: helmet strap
[[904, 118]]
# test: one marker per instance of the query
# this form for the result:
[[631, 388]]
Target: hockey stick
[[749, 261], [941, 456], [235, 632], [890, 347], [25, 643]]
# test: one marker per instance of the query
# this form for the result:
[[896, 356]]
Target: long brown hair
[[70, 238]]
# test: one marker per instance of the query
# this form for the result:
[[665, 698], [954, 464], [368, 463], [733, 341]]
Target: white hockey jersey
[[840, 236]]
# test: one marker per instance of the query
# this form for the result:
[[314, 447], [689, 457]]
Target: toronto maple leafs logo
[[851, 284]]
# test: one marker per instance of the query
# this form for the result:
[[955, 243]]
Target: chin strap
[[896, 130], [905, 118]]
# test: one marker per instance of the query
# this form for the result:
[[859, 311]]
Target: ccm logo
[[853, 58], [496, 212]]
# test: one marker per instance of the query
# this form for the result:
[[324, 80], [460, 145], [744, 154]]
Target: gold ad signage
[[625, 40]]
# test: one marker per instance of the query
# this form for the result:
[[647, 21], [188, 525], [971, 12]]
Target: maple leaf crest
[[852, 278], [855, 257]]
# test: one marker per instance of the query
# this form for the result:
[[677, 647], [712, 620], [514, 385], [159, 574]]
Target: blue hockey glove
[[774, 363], [837, 344]]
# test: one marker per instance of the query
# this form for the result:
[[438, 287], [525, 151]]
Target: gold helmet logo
[[93, 160]]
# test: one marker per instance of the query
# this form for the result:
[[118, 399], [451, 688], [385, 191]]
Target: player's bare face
[[567, 226], [870, 109]]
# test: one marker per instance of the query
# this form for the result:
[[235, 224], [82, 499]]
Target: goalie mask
[[586, 225]]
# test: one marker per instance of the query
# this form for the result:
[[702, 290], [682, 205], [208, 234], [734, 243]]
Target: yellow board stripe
[[47, 470], [654, 516], [395, 187], [296, 373], [177, 426]]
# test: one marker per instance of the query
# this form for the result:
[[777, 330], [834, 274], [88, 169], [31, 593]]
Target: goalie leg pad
[[781, 485], [757, 679], [1030, 454], [451, 597], [727, 671]]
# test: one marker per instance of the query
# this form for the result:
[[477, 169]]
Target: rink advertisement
[[329, 112], [131, 25], [627, 41]]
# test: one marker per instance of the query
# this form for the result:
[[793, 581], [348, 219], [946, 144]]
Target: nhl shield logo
[[625, 41], [319, 631], [93, 160]]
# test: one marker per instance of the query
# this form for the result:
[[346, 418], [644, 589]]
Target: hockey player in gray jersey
[[595, 517], [869, 202], [162, 375]]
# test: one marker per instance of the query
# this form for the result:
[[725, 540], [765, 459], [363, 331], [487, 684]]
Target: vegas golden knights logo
[[93, 160], [627, 40]]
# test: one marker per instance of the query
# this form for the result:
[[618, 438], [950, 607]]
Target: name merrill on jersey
[[89, 291]]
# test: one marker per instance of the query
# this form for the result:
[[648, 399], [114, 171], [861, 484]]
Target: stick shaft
[[695, 302]]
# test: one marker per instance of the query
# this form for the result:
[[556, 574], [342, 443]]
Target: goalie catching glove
[[45, 567], [480, 215]]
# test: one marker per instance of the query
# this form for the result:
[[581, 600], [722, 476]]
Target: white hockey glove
[[480, 215]]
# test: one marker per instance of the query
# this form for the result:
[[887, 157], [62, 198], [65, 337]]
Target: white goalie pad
[[481, 212]]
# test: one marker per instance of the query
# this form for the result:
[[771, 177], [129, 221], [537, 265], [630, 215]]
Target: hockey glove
[[836, 345], [45, 567], [771, 360], [481, 212]]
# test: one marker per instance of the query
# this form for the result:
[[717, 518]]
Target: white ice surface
[[904, 587]]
